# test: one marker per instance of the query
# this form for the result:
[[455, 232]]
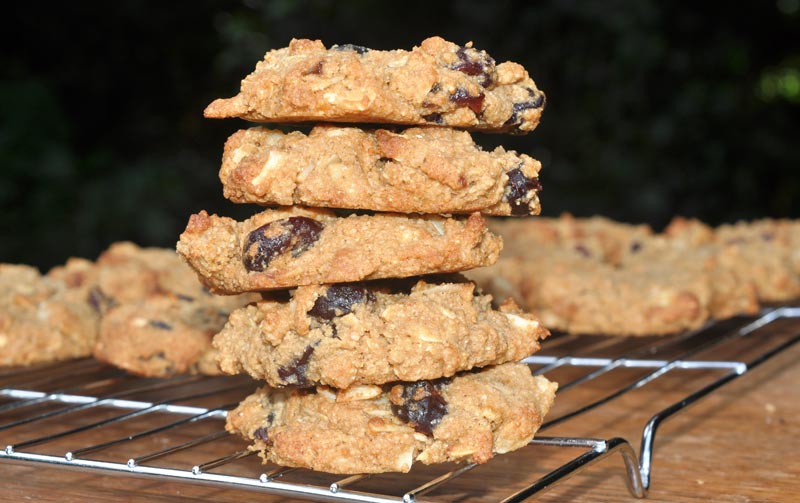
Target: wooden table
[[739, 444]]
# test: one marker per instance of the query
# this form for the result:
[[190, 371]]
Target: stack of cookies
[[374, 352]]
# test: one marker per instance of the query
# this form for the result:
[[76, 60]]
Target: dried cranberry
[[350, 47], [435, 117], [473, 67], [583, 251], [423, 406], [316, 69], [162, 325], [517, 191], [339, 300], [295, 372], [99, 301], [265, 243], [462, 98], [261, 434], [537, 102]]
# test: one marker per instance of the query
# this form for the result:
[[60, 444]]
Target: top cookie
[[437, 83]]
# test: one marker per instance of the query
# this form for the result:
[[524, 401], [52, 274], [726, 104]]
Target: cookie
[[126, 272], [295, 246], [597, 237], [39, 322], [373, 429], [690, 245], [418, 170], [154, 316], [574, 293], [372, 333], [438, 83], [766, 253], [594, 275], [161, 336]]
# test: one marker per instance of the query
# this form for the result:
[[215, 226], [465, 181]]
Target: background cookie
[[39, 321]]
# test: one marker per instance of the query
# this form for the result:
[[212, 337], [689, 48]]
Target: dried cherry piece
[[462, 98], [474, 67], [295, 372], [316, 69], [583, 251], [351, 47], [537, 102], [339, 300], [266, 242], [99, 301], [517, 189], [435, 117], [421, 405]]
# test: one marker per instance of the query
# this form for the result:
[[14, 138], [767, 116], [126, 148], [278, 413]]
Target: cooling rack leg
[[649, 432], [601, 450]]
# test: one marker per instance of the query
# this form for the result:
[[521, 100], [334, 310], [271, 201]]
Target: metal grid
[[83, 406]]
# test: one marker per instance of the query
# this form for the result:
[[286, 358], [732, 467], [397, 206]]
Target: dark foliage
[[654, 108]]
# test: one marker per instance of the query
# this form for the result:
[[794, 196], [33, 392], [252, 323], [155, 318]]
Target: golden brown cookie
[[161, 336], [295, 246], [372, 333], [418, 170], [438, 83], [39, 321], [155, 317], [766, 253], [574, 293], [372, 429]]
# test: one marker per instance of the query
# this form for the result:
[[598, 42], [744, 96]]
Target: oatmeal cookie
[[295, 246], [438, 83], [595, 275], [372, 429], [418, 170], [161, 336], [39, 321], [765, 252], [154, 316], [372, 333], [689, 245], [592, 237], [126, 272], [571, 292]]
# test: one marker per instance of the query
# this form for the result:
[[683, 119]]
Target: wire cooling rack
[[89, 416]]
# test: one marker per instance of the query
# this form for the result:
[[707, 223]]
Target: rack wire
[[97, 418]]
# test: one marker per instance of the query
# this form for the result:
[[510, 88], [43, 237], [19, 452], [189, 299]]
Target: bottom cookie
[[373, 429]]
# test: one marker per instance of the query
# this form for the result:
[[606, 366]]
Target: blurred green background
[[654, 108]]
